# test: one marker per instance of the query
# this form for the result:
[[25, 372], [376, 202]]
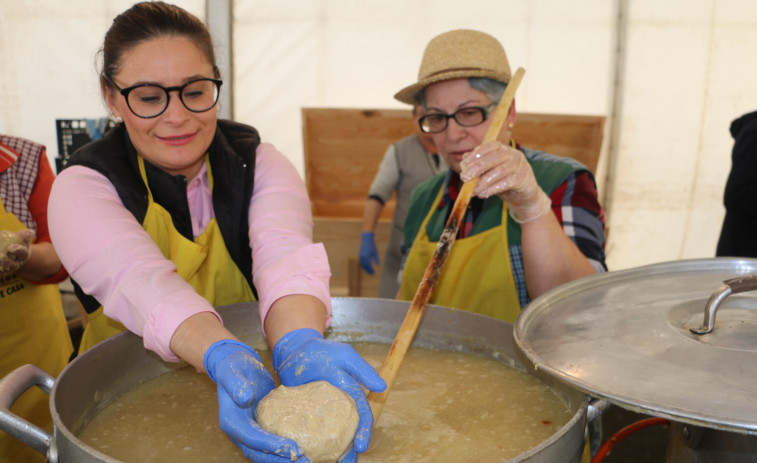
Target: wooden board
[[577, 137], [341, 238], [343, 150]]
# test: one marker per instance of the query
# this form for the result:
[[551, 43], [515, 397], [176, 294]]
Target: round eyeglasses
[[466, 117], [151, 100]]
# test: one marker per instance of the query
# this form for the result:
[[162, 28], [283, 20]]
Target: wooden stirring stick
[[413, 317]]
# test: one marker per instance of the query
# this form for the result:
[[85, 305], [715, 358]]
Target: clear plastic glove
[[303, 356], [15, 250], [368, 251], [504, 171], [242, 382]]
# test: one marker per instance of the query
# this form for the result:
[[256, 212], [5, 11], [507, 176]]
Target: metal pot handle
[[596, 408], [11, 387], [732, 286]]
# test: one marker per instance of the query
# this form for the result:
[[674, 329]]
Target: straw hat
[[456, 54]]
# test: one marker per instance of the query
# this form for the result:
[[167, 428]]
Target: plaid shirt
[[19, 167]]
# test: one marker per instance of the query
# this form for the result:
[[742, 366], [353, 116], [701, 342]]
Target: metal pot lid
[[627, 337]]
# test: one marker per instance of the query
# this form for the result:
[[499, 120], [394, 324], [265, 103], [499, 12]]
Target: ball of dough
[[7, 238], [321, 418]]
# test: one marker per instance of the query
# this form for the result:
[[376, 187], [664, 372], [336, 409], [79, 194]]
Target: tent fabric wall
[[49, 62], [339, 53], [688, 74], [685, 70]]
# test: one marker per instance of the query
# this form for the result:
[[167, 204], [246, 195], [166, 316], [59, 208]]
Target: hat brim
[[408, 94]]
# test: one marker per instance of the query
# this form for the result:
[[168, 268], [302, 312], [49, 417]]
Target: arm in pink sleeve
[[285, 260], [112, 258]]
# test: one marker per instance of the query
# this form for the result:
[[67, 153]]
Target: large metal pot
[[95, 378]]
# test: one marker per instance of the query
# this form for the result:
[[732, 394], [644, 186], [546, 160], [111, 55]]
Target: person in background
[[535, 221], [33, 328], [406, 164], [737, 236], [174, 212]]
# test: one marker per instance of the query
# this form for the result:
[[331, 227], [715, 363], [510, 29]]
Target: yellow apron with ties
[[33, 330], [476, 276], [204, 263]]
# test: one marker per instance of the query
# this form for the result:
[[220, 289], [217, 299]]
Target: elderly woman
[[535, 222], [174, 212]]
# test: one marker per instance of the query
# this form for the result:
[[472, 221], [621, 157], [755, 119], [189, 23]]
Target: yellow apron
[[33, 329], [476, 276], [214, 275]]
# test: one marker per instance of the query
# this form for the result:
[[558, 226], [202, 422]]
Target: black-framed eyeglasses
[[151, 100], [466, 117]]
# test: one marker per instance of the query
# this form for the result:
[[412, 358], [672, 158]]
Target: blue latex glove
[[303, 356], [368, 251], [242, 382]]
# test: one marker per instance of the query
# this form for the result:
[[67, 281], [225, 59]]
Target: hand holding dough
[[321, 418], [304, 356], [15, 249], [242, 381]]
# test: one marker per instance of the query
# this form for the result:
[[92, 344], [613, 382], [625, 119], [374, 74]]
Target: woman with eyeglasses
[[535, 221], [174, 212]]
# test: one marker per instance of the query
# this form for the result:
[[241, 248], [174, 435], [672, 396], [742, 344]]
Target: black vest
[[232, 161]]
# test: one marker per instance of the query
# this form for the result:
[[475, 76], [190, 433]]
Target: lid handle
[[732, 286]]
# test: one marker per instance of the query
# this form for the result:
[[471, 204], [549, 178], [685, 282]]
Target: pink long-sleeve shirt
[[112, 258]]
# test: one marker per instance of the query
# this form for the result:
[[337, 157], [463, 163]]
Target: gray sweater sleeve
[[387, 177]]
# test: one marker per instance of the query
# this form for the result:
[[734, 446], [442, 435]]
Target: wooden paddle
[[410, 324]]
